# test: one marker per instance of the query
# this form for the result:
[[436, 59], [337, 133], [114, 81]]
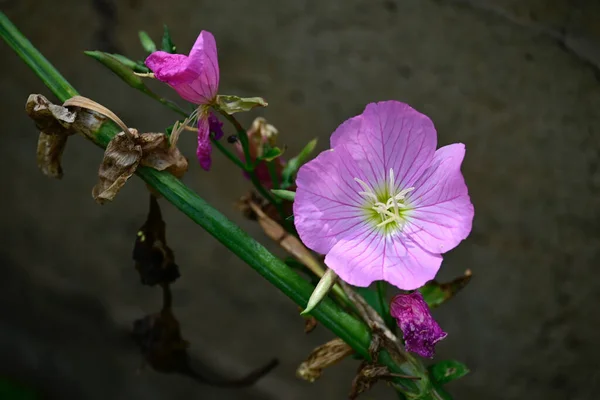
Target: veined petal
[[390, 135], [194, 77], [367, 256], [327, 203], [204, 150], [443, 213]]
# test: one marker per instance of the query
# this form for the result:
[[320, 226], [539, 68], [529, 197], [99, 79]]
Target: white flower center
[[388, 205]]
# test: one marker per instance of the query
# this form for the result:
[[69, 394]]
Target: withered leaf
[[121, 159], [154, 260], [161, 155], [54, 123], [371, 372], [125, 153], [322, 357]]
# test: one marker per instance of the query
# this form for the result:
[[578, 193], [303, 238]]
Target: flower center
[[386, 207]]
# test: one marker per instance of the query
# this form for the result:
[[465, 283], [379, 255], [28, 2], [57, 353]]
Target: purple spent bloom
[[196, 79], [383, 203], [420, 330], [206, 125]]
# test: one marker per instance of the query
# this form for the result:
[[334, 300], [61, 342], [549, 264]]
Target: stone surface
[[526, 109]]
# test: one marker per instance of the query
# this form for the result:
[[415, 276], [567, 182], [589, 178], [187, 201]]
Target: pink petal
[[389, 134], [327, 203], [204, 150], [367, 256], [443, 212], [194, 77]]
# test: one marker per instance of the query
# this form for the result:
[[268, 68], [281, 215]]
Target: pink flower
[[383, 204], [196, 79], [420, 330]]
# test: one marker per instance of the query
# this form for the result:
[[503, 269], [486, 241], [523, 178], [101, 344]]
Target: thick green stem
[[342, 324]]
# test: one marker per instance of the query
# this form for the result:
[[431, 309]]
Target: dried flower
[[196, 79], [262, 136], [420, 330], [322, 357], [383, 204], [55, 125]]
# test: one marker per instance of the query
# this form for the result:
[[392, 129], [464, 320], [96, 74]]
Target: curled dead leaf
[[121, 158], [322, 357], [55, 125]]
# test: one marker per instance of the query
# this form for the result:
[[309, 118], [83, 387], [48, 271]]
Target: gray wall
[[515, 80]]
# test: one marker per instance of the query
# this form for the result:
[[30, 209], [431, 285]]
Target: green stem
[[273, 173], [166, 102], [342, 324], [232, 157], [381, 296], [243, 138]]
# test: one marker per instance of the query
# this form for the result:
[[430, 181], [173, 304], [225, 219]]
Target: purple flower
[[420, 330], [196, 79], [383, 204]]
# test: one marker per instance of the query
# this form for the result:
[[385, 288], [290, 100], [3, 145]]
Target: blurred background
[[517, 81]]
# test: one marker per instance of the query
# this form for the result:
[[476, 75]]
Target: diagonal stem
[[348, 328]]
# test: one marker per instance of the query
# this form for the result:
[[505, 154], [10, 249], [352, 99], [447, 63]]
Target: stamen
[[390, 210]]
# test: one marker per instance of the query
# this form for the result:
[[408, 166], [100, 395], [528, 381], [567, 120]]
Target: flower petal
[[391, 135], [327, 203], [443, 212], [215, 126], [204, 150], [421, 332], [194, 77], [367, 256]]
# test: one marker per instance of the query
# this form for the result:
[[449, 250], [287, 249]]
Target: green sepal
[[147, 43], [284, 194], [435, 293], [235, 104], [447, 371], [270, 153], [121, 66], [167, 43], [293, 165]]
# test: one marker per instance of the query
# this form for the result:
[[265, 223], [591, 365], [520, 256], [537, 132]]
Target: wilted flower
[[383, 204], [261, 136], [420, 330], [196, 79]]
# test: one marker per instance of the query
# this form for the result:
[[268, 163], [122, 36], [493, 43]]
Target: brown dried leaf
[[290, 243], [121, 159], [54, 123], [322, 357], [367, 376], [161, 155]]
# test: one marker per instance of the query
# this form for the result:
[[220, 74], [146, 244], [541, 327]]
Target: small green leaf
[[235, 104], [323, 287], [435, 293], [446, 371], [284, 194], [295, 163], [270, 153], [147, 43], [119, 68], [167, 43]]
